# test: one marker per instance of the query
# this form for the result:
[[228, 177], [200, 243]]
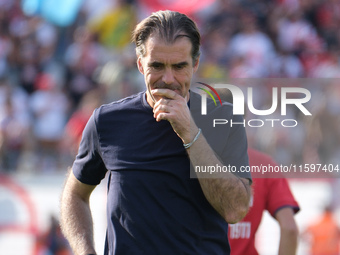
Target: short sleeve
[[235, 151], [280, 196], [88, 166]]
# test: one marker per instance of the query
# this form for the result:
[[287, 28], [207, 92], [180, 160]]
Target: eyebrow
[[156, 63], [182, 64]]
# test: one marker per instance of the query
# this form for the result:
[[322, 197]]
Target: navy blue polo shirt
[[153, 206]]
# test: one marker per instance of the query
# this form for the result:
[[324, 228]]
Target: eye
[[179, 67], [156, 66]]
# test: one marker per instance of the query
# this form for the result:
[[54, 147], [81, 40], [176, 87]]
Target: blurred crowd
[[52, 78]]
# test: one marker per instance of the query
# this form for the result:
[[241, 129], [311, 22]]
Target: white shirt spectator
[[49, 106], [255, 47], [295, 33]]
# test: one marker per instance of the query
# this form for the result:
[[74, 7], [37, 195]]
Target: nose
[[168, 77]]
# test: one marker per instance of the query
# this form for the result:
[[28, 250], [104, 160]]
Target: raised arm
[[227, 193], [76, 218]]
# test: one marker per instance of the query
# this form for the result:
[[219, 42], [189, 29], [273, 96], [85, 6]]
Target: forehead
[[159, 50]]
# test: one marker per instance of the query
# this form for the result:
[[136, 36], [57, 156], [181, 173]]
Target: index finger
[[167, 93]]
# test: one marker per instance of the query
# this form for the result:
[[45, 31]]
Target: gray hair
[[169, 26]]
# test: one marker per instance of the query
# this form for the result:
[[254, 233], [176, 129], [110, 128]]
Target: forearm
[[288, 231], [226, 192], [76, 222], [288, 243]]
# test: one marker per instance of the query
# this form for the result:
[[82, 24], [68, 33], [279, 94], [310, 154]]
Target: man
[[273, 194], [146, 142]]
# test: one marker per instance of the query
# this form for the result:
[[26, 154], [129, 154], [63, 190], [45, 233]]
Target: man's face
[[167, 66]]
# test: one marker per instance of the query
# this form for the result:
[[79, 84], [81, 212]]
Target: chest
[[140, 143]]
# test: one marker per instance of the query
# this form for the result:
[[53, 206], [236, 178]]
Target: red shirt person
[[273, 195]]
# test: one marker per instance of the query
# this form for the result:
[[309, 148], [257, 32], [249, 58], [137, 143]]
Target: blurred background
[[59, 60]]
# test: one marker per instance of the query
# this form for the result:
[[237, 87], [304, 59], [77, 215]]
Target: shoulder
[[127, 111], [130, 101], [122, 105]]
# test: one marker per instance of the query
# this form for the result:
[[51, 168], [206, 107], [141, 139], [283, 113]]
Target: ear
[[140, 65], [196, 64]]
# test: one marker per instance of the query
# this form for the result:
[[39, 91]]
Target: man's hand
[[174, 108]]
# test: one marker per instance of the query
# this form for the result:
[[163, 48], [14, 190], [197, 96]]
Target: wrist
[[188, 145]]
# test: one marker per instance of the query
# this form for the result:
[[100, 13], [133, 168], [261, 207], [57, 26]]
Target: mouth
[[173, 88]]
